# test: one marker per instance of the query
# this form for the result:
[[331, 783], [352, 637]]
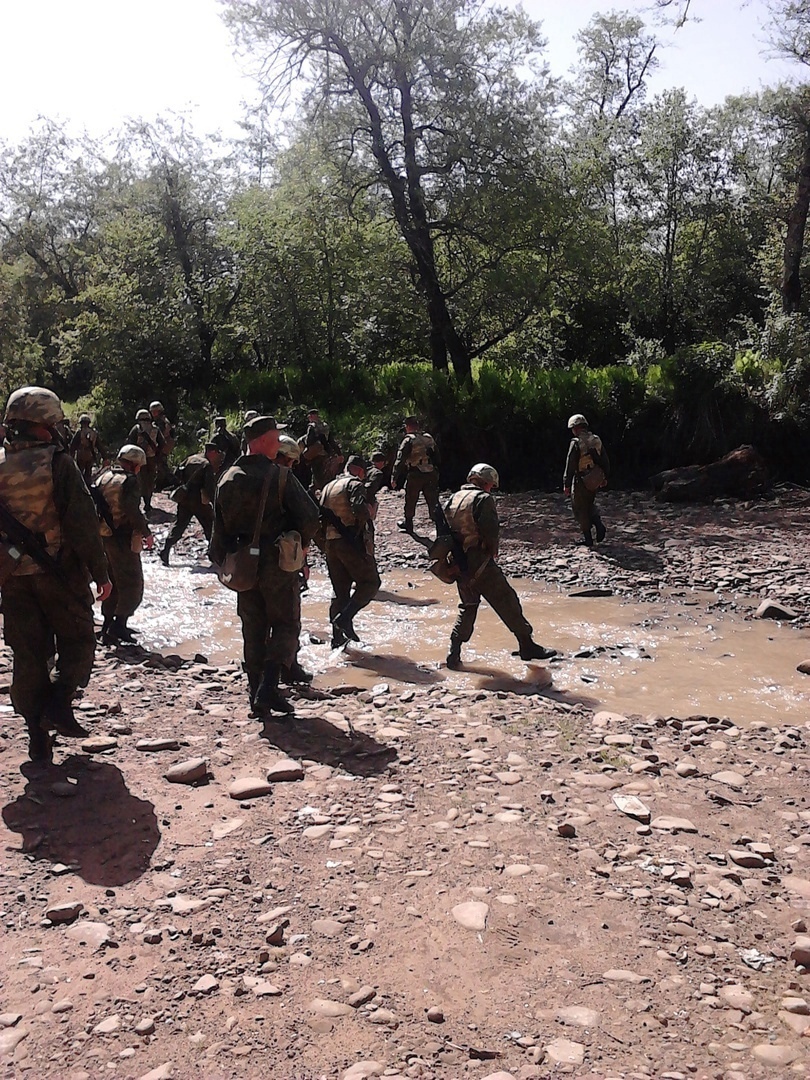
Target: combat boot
[[296, 675], [107, 636], [453, 660], [267, 698], [40, 743], [121, 631], [343, 621], [601, 531], [58, 714], [163, 554], [587, 539], [406, 525], [530, 650]]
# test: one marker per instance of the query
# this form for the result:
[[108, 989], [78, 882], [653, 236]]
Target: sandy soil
[[440, 882]]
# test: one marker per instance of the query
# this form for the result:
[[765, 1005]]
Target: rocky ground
[[416, 881]]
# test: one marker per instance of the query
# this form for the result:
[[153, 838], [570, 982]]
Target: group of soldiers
[[58, 532]]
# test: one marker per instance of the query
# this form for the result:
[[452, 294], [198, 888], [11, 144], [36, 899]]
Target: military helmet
[[483, 472], [142, 414], [132, 453], [577, 420], [288, 446], [85, 418], [251, 414], [36, 405], [156, 405]]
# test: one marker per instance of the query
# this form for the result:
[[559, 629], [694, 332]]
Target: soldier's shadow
[[102, 831], [313, 737], [401, 668]]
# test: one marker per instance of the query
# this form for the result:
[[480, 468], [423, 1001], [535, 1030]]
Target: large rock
[[64, 913], [565, 1052], [472, 915], [770, 609], [742, 474], [285, 770], [673, 824], [188, 772], [249, 787]]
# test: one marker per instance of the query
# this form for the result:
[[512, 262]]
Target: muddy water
[[667, 658]]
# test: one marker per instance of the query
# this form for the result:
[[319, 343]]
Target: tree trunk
[[794, 239]]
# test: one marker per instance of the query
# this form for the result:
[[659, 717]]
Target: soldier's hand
[[103, 590], [305, 571], [149, 542], [566, 491]]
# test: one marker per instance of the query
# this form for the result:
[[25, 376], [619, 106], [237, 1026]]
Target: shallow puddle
[[669, 657]]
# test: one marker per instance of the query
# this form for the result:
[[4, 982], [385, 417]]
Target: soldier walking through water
[[472, 518], [270, 610], [125, 533], [146, 435], [86, 448], [347, 514], [50, 549], [586, 471], [417, 465], [195, 495]]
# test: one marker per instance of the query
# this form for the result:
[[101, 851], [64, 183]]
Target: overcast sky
[[97, 62]]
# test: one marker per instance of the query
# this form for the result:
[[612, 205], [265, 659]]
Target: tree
[[422, 97]]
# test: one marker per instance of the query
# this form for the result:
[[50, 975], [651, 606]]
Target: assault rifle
[[329, 517], [20, 536], [102, 507], [451, 559]]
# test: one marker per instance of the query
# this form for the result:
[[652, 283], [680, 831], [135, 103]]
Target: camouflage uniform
[[194, 498], [228, 445], [146, 435], [86, 448], [349, 561], [163, 473], [271, 611], [584, 452], [122, 542], [417, 463], [321, 453], [42, 488]]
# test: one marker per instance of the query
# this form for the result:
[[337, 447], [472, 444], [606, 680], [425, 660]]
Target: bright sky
[[96, 62]]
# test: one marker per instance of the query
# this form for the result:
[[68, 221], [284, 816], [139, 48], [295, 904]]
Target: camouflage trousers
[[146, 479], [126, 575], [199, 510], [271, 620], [583, 504], [420, 483], [490, 584], [43, 617], [349, 565]]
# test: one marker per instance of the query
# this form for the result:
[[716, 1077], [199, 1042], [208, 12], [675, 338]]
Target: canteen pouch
[[594, 479], [10, 557], [240, 569], [290, 552]]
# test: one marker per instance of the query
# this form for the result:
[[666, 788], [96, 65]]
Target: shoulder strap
[[262, 503]]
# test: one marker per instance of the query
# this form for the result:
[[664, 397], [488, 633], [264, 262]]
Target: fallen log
[[742, 474]]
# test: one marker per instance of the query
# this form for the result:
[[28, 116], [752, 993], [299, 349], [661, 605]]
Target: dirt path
[[441, 882]]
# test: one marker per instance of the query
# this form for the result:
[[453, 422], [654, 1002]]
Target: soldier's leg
[[109, 606], [469, 601], [251, 610], [596, 520], [412, 489], [147, 481], [29, 636], [341, 580], [68, 610], [282, 601], [181, 523], [505, 602], [582, 504], [205, 516], [130, 582], [430, 489]]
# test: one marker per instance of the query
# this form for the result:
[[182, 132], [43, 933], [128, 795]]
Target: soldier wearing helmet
[[147, 436], [45, 595], [417, 466], [163, 472], [225, 441], [321, 451], [347, 514], [125, 532], [586, 471], [86, 447], [473, 521], [251, 414], [195, 495]]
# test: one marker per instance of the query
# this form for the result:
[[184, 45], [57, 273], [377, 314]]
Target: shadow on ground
[[400, 668], [313, 737], [82, 814]]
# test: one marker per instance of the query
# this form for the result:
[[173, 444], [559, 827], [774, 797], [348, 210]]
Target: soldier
[[321, 452], [417, 464], [473, 521], [347, 515], [289, 455], [125, 532], [146, 435], [375, 477], [586, 471], [86, 448], [164, 477], [249, 415], [195, 495], [225, 441], [271, 610], [51, 548]]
